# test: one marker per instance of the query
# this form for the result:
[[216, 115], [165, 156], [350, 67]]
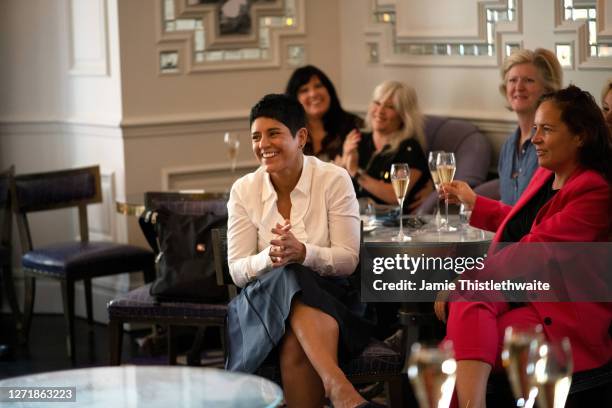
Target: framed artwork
[[234, 15]]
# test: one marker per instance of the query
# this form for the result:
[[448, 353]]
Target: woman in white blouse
[[293, 238]]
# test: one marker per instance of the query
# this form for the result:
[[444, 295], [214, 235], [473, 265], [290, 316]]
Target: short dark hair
[[581, 115], [282, 108]]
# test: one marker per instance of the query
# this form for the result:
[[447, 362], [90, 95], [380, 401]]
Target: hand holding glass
[[446, 167], [400, 178]]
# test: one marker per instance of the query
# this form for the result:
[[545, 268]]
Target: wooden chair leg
[[30, 294], [68, 299], [88, 301], [194, 354], [115, 328], [397, 391], [11, 296], [149, 273], [172, 351]]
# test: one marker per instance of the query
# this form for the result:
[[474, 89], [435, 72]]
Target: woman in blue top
[[526, 75]]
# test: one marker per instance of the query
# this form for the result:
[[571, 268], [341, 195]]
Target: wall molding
[[213, 178], [388, 34], [97, 63], [51, 127]]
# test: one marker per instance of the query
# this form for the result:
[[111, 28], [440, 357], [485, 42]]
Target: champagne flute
[[432, 372], [232, 142], [552, 372], [516, 359], [400, 178], [445, 164], [433, 169]]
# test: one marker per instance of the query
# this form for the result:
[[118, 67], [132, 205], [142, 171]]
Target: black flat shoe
[[6, 353]]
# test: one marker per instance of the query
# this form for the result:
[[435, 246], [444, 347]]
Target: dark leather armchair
[[69, 262]]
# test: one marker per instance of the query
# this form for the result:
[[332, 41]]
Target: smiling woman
[[526, 75], [293, 239], [568, 200], [328, 124], [397, 137]]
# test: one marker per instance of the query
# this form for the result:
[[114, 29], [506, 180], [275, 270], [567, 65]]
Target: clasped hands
[[286, 248]]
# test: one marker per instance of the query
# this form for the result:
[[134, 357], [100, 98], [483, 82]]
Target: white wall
[[61, 107]]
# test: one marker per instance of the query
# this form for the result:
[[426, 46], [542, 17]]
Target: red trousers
[[477, 328]]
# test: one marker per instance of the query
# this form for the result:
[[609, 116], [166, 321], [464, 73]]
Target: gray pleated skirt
[[257, 316]]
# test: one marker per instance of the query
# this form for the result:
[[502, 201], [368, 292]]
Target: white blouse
[[324, 217]]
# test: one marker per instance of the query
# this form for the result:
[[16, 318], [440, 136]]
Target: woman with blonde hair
[[526, 76], [397, 136]]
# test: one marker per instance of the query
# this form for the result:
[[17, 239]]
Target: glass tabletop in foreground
[[153, 387], [426, 233]]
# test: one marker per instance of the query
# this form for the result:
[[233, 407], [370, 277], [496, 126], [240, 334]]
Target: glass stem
[[401, 218], [446, 212]]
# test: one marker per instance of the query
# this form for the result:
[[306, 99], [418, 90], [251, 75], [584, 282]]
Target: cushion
[[76, 260], [139, 303]]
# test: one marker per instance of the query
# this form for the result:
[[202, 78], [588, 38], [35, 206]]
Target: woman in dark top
[[397, 137], [567, 200], [328, 124]]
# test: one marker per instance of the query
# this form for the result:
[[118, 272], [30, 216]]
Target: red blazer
[[579, 212]]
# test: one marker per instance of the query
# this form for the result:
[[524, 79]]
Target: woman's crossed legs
[[309, 361]]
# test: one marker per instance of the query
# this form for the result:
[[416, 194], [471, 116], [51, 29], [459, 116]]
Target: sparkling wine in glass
[[446, 172], [232, 143], [433, 169], [432, 372], [552, 372], [516, 360], [400, 178]]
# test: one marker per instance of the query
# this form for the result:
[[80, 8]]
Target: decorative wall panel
[[205, 35], [87, 37], [591, 22], [419, 33]]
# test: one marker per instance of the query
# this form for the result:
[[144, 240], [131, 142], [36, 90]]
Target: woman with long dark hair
[[328, 124]]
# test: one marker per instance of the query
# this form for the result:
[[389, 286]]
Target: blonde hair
[[543, 60], [405, 103], [607, 88]]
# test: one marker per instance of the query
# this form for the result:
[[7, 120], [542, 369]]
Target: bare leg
[[301, 383], [318, 333], [471, 385]]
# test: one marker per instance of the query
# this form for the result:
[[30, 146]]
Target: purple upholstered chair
[[472, 151], [68, 262]]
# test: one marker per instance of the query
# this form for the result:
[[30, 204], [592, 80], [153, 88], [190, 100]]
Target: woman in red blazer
[[568, 200]]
